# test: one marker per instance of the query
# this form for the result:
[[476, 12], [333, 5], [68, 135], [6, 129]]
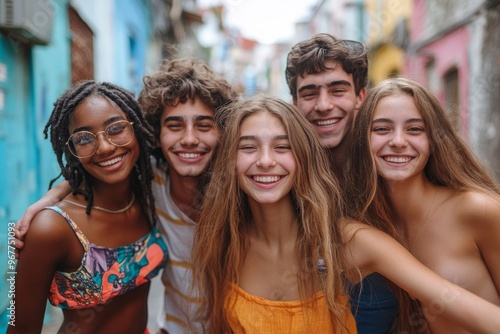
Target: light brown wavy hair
[[220, 239], [451, 163]]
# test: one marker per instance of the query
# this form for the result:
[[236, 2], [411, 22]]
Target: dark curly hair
[[177, 81], [71, 168], [310, 56]]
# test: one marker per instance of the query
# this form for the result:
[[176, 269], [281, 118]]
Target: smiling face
[[329, 101], [110, 164], [188, 137], [399, 142], [265, 163]]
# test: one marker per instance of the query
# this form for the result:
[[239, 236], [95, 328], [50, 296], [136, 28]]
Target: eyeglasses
[[83, 144]]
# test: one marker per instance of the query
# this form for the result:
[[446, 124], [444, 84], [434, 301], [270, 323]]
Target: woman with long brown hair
[[272, 253], [423, 185]]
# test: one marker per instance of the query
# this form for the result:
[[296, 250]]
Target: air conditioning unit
[[29, 21]]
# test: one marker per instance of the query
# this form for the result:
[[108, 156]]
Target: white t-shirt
[[180, 302]]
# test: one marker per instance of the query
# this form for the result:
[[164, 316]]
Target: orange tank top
[[252, 314]]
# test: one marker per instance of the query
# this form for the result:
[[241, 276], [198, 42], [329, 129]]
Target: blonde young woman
[[271, 252], [422, 184]]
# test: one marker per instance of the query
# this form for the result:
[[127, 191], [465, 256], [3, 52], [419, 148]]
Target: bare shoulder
[[477, 208], [478, 198], [48, 227]]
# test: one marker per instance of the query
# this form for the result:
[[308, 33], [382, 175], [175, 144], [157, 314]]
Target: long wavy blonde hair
[[221, 239]]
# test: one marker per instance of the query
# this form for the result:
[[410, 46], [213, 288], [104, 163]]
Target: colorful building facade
[[454, 49], [45, 47]]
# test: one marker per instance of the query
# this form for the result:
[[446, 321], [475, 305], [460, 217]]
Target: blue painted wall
[[15, 147], [14, 129], [34, 76], [132, 34], [51, 76]]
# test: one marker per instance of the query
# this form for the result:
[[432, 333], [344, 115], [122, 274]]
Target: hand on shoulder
[[52, 196]]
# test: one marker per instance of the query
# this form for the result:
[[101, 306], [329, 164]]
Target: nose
[[398, 139], [324, 101], [190, 137], [103, 144], [266, 159]]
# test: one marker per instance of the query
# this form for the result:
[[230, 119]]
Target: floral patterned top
[[107, 272]]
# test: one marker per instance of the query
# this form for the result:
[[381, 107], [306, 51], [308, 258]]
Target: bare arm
[[52, 196], [374, 251], [45, 248]]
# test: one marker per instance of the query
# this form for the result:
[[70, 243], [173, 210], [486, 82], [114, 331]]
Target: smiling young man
[[182, 114], [327, 78]]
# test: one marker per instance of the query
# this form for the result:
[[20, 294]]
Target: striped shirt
[[180, 303]]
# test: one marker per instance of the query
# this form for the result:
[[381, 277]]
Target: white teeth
[[398, 160], [110, 162], [189, 155], [327, 122], [266, 179]]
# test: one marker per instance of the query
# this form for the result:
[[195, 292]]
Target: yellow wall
[[383, 16], [386, 60]]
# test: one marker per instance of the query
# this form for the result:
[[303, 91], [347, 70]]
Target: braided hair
[[71, 168]]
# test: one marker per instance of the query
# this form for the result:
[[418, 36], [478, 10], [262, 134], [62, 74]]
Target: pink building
[[454, 49], [439, 60]]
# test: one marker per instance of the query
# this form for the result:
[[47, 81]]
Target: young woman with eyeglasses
[[95, 252]]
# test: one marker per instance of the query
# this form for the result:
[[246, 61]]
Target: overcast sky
[[266, 21]]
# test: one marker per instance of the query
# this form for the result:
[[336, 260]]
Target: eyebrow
[[328, 85], [279, 137], [184, 118], [106, 123], [388, 120]]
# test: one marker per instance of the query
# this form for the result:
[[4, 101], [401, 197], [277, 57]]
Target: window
[[451, 94]]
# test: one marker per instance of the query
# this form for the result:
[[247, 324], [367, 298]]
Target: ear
[[158, 143], [360, 98]]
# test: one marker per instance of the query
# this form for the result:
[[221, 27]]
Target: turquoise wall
[[35, 77], [51, 76], [31, 79], [15, 126], [132, 34], [15, 148]]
